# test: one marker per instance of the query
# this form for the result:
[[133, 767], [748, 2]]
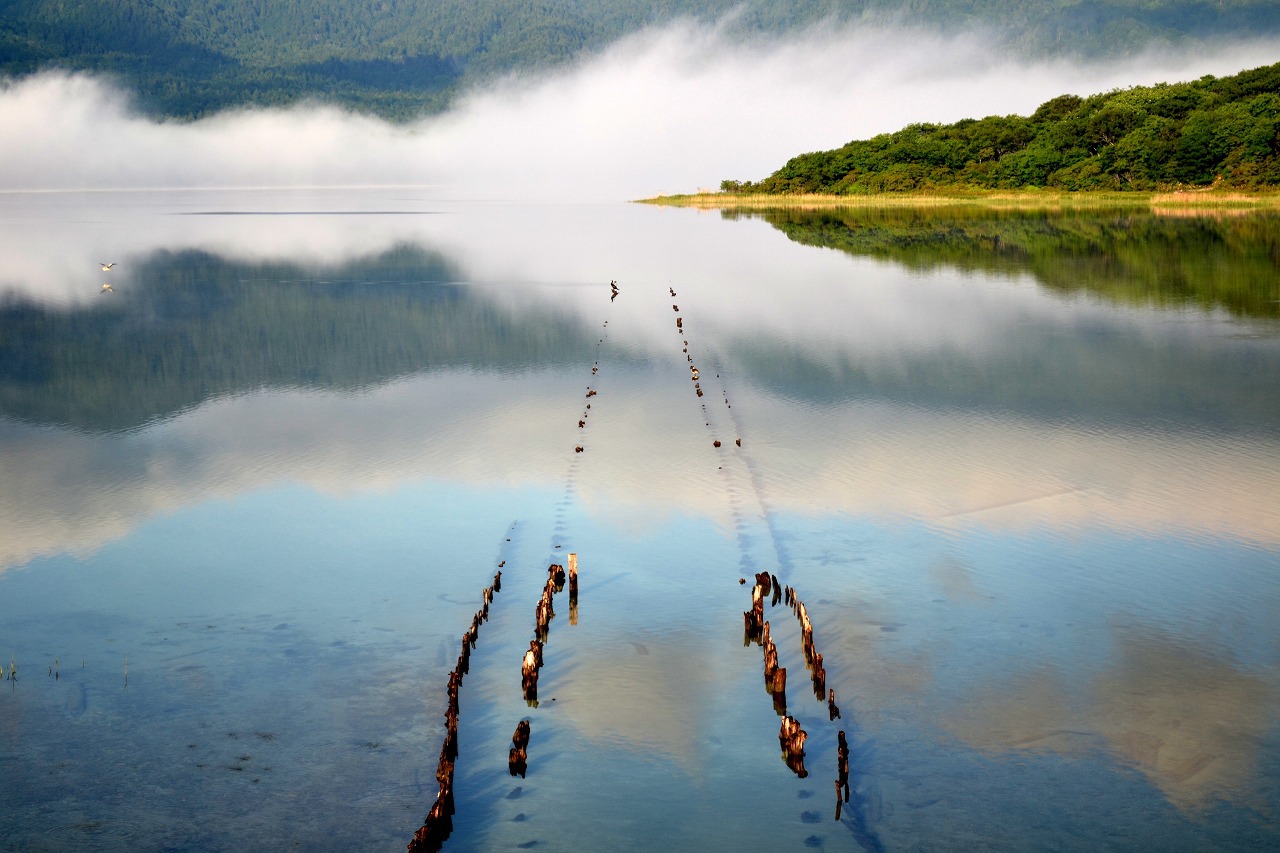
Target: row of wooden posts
[[791, 737], [694, 373], [543, 614], [439, 822], [438, 825]]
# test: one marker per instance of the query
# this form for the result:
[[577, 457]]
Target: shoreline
[[1185, 200]]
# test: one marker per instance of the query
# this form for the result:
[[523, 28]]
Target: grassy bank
[[1194, 200]]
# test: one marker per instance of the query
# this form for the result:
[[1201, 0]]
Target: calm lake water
[[1023, 470]]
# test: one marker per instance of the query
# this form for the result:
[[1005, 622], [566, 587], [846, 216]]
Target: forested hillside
[[399, 57], [1213, 130]]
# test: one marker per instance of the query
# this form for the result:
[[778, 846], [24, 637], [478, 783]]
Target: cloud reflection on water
[[875, 455], [1184, 714], [72, 491], [638, 695]]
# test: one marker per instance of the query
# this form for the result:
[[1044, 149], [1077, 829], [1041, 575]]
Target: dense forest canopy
[[1223, 131], [187, 58]]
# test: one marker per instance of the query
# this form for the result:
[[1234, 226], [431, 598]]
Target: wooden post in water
[[573, 589]]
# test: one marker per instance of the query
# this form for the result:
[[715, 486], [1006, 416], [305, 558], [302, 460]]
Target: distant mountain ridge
[[398, 58], [1223, 131]]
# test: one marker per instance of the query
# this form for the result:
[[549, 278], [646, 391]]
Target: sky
[[668, 110]]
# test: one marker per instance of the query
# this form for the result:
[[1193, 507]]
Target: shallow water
[[1022, 469]]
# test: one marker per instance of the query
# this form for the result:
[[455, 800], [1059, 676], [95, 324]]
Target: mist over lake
[[665, 110]]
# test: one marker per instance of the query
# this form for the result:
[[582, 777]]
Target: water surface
[[1021, 468]]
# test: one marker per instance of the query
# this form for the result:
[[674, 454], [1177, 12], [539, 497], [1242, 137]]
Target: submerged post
[[573, 589]]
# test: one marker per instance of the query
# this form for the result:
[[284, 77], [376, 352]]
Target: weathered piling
[[775, 677], [573, 589], [833, 710], [842, 766], [542, 620], [518, 759], [779, 685], [791, 737], [751, 627], [753, 619], [431, 836], [529, 675]]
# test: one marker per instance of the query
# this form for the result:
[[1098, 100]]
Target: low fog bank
[[668, 110]]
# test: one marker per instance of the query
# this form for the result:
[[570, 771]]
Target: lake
[[1021, 468]]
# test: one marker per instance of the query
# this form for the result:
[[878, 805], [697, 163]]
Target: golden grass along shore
[[1189, 200]]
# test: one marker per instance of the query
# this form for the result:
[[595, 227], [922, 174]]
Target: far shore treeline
[[401, 59], [1212, 131]]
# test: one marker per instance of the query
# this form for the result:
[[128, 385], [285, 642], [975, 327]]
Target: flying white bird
[[106, 267], [106, 288]]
